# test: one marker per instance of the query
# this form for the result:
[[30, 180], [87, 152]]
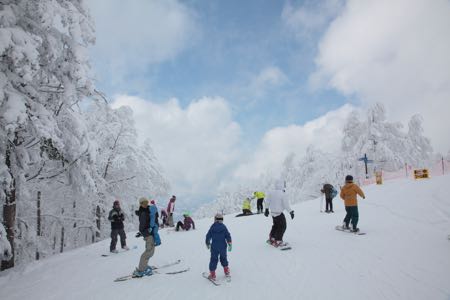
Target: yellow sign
[[421, 173]]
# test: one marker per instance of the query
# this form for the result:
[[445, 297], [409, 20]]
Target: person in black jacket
[[145, 231], [116, 217], [328, 191]]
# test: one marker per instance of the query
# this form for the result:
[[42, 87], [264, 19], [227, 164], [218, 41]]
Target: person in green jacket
[[259, 201], [246, 207]]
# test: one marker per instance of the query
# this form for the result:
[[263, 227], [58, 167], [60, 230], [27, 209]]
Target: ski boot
[[226, 270], [212, 275], [114, 251]]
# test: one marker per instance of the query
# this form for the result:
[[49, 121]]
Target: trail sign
[[366, 161]]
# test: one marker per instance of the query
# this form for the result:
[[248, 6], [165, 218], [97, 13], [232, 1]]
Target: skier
[[164, 218], [259, 201], [328, 191], [277, 202], [246, 207], [170, 210], [349, 194], [217, 240], [116, 217], [149, 230], [188, 223]]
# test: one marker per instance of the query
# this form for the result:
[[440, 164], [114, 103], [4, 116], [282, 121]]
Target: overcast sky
[[226, 89]]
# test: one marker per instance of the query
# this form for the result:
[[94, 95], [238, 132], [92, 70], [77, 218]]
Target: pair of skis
[[216, 282], [157, 270]]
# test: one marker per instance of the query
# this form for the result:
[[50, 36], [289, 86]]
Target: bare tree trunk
[[9, 210], [97, 217], [61, 248], [38, 225]]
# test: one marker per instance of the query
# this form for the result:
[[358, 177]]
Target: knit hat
[[349, 178], [153, 202], [142, 200], [116, 202], [218, 217]]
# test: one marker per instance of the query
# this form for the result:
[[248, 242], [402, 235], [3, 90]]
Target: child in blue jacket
[[217, 240]]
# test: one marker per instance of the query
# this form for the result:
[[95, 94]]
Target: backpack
[[333, 193]]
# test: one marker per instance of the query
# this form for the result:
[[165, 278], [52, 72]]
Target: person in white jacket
[[277, 202]]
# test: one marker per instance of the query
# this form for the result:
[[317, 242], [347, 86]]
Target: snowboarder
[[149, 230], [246, 207], [217, 240], [170, 210], [259, 201], [188, 223], [116, 217], [277, 202], [349, 194], [328, 190]]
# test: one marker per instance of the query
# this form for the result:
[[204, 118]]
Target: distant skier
[[164, 218], [187, 224], [259, 201], [247, 207], [277, 202], [217, 239], [330, 193], [116, 217], [170, 210], [349, 194], [149, 230]]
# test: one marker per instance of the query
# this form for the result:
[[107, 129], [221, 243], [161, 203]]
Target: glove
[[116, 218], [138, 235], [292, 214], [266, 212], [171, 214], [230, 246], [208, 246]]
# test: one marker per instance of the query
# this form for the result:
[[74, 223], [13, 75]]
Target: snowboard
[[285, 246], [216, 282], [339, 228], [121, 251], [245, 215]]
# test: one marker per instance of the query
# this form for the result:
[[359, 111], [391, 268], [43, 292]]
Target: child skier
[[349, 194], [217, 239]]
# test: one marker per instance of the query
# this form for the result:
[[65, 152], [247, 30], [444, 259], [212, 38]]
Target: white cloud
[[309, 17], [266, 79], [131, 35], [324, 132], [195, 145], [394, 52]]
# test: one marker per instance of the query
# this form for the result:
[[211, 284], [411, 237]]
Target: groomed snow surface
[[405, 255]]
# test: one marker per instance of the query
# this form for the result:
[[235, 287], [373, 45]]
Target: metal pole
[[443, 170]]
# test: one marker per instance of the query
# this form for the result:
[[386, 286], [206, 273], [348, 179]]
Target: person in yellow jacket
[[349, 194], [259, 201], [246, 207]]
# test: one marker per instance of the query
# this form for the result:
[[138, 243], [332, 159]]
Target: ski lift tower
[[366, 161]]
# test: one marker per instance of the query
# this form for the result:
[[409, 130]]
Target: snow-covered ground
[[405, 255]]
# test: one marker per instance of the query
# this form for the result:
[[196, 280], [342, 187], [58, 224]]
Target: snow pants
[[149, 251], [123, 237], [259, 205], [278, 227], [352, 215], [170, 220], [215, 254], [329, 204]]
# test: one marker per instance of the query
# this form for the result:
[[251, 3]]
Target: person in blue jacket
[[217, 240]]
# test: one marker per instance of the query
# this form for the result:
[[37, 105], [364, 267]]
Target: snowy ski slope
[[405, 255]]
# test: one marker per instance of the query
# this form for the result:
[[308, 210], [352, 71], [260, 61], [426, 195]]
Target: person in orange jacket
[[349, 194]]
